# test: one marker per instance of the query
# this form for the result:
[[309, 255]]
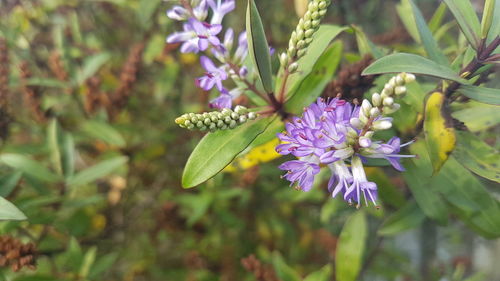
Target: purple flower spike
[[196, 36], [341, 177], [300, 172], [213, 75], [220, 8]]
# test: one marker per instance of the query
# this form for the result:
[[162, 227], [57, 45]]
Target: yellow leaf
[[439, 132], [260, 154]]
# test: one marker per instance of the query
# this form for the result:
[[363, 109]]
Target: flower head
[[301, 173], [197, 36], [220, 8], [213, 75]]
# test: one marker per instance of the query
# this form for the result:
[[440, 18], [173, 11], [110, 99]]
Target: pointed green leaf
[[258, 49], [9, 182], [467, 20], [105, 132], [313, 85], [413, 64], [366, 46], [489, 9], [479, 116], [437, 19], [495, 25], [96, 172], [477, 156], [216, 150], [431, 46], [10, 212], [481, 94], [406, 218], [324, 274], [439, 132], [28, 166], [91, 65], [284, 272], [350, 247]]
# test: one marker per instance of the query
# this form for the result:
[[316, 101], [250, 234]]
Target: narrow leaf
[[477, 156], [479, 116], [9, 182], [91, 65], [216, 150], [489, 9], [96, 172], [28, 166], [10, 212], [350, 248], [324, 274], [366, 46], [284, 272], [481, 94], [437, 18], [408, 217], [403, 62], [467, 20], [103, 131], [439, 132], [495, 25], [258, 48], [431, 46]]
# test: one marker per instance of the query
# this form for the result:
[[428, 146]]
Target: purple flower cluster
[[325, 136], [201, 34]]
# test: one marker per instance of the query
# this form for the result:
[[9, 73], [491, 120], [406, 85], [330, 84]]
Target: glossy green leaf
[[480, 208], [258, 48], [403, 62], [316, 50], [477, 156], [313, 85], [489, 9], [350, 247], [87, 262], [96, 172], [481, 94], [439, 131], [479, 116], [28, 166], [406, 218], [437, 19], [104, 132], [366, 46], [324, 274], [9, 182], [431, 46], [10, 212], [68, 155], [216, 150], [418, 174], [467, 20], [408, 19], [61, 148], [91, 65], [284, 272], [495, 25]]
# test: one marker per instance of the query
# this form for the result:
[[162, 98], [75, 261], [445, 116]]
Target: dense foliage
[[95, 107]]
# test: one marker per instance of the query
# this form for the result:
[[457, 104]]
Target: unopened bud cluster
[[216, 120], [383, 103], [302, 36]]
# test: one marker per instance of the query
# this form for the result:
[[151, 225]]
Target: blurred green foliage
[[91, 156]]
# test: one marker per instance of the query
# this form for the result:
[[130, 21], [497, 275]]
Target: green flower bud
[[252, 115], [242, 119], [207, 121], [376, 99], [235, 116], [400, 90], [233, 124]]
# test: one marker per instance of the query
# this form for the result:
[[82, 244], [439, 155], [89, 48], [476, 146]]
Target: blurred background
[[89, 91]]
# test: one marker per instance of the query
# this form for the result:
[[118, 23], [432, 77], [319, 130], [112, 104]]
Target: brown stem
[[483, 55]]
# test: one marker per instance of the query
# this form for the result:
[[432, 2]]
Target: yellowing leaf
[[439, 132], [259, 154]]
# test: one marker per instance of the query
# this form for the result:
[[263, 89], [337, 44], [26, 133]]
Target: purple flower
[[213, 75], [196, 36], [301, 173], [178, 13], [224, 100], [360, 185], [341, 177], [389, 151], [220, 9], [201, 11]]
